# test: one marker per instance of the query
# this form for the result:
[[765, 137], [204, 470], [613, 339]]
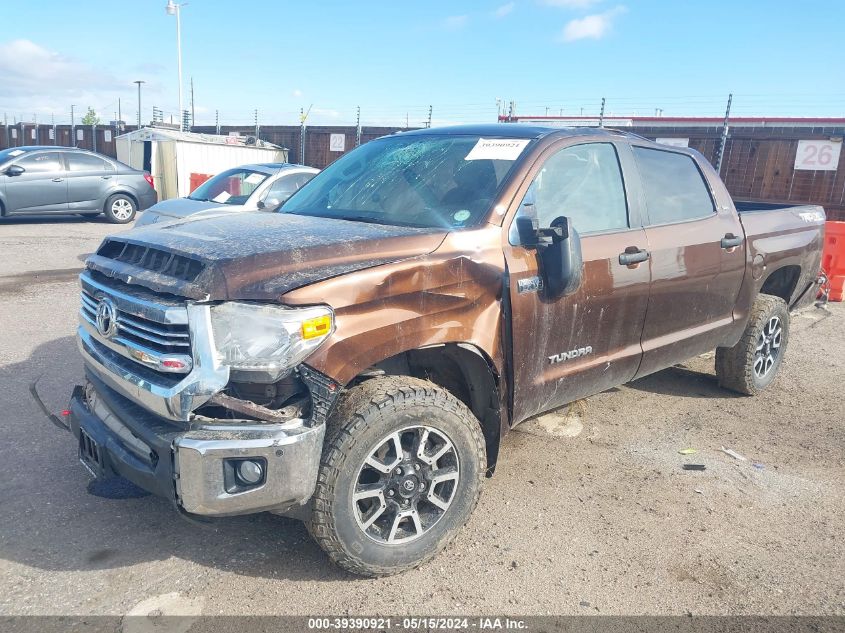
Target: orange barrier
[[198, 179], [833, 258]]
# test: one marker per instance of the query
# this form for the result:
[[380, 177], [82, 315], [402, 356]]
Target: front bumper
[[187, 463]]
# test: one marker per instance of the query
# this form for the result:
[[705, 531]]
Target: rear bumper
[[192, 465], [147, 199]]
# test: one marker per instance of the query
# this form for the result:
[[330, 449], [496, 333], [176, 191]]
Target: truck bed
[[780, 235]]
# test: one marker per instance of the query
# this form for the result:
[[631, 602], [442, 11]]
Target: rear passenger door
[[90, 178], [601, 322], [697, 260]]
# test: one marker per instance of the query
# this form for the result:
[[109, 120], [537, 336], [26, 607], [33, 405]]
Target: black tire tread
[[735, 365], [107, 208], [355, 410]]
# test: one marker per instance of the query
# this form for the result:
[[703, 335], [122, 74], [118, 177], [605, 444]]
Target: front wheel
[[401, 473], [120, 209], [751, 365]]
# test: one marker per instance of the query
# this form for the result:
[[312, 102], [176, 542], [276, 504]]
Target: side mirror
[[14, 170], [559, 253]]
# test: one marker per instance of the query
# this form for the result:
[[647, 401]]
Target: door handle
[[633, 255], [58, 179], [731, 241]]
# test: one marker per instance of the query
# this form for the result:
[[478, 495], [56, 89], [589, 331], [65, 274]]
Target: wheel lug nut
[[389, 493], [422, 485], [398, 471], [416, 466]]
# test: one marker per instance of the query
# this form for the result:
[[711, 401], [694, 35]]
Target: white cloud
[[36, 81], [591, 26], [28, 69], [504, 10], [455, 22], [297, 93], [570, 4]]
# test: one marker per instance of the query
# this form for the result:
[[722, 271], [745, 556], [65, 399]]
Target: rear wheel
[[752, 364], [401, 472], [120, 209]]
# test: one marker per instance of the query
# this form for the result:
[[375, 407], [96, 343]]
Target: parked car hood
[[253, 256], [182, 207]]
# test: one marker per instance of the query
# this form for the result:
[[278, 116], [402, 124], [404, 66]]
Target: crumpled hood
[[253, 256]]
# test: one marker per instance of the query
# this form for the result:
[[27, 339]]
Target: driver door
[[567, 348], [41, 188]]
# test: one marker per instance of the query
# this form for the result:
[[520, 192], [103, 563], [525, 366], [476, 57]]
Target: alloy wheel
[[405, 485]]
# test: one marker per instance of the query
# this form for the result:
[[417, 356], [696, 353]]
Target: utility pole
[[53, 120], [72, 128], [35, 123], [6, 129], [724, 139], [193, 111], [601, 114], [406, 121], [139, 82], [358, 128], [119, 118], [94, 137], [256, 124], [217, 121], [430, 110]]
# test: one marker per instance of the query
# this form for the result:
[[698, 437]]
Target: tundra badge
[[575, 353]]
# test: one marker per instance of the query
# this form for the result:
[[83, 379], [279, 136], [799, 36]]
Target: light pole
[[139, 82], [174, 8]]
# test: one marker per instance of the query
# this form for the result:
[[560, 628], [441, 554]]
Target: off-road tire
[[114, 215], [366, 413], [735, 365]]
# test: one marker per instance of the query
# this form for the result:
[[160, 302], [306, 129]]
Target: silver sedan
[[263, 186]]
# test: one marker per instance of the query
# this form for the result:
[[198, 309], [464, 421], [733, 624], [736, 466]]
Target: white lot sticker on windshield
[[461, 216], [254, 179], [16, 152], [221, 197], [497, 149]]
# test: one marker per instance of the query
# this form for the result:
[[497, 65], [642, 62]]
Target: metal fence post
[[724, 139], [358, 128]]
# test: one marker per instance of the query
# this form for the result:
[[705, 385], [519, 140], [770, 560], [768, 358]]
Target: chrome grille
[[155, 335], [161, 337]]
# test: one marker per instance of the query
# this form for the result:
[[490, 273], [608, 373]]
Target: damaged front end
[[208, 405]]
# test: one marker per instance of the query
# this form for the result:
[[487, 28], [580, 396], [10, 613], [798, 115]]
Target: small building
[[177, 159]]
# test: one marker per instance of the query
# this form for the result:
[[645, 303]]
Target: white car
[[263, 186]]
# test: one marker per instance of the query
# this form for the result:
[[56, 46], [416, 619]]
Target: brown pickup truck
[[355, 359]]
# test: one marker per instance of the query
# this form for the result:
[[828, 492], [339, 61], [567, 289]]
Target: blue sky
[[394, 59]]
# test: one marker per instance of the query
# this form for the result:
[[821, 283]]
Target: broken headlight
[[267, 341]]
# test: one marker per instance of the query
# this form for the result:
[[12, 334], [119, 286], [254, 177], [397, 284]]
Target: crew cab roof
[[517, 130]]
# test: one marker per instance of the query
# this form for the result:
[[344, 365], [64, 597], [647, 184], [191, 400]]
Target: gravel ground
[[589, 511]]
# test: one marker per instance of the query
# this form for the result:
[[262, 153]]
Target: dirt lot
[[590, 513]]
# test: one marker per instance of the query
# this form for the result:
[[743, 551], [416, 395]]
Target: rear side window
[[86, 162], [675, 189]]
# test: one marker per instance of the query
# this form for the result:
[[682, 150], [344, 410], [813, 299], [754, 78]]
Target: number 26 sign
[[818, 155]]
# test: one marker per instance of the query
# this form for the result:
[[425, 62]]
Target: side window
[[77, 161], [286, 186], [674, 187], [38, 163], [583, 183]]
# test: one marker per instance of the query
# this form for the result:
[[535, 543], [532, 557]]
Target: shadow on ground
[[683, 382]]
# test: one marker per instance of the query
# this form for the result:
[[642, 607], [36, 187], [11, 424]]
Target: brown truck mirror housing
[[558, 251]]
